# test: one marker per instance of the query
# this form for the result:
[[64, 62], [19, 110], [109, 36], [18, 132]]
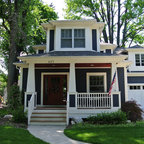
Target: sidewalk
[[52, 134]]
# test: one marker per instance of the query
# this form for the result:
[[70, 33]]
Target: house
[[136, 74], [71, 75]]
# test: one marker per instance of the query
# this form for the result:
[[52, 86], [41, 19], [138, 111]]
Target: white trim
[[21, 78], [126, 83], [96, 74], [48, 73], [47, 40], [129, 74]]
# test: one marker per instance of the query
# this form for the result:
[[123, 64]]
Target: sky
[[59, 5]]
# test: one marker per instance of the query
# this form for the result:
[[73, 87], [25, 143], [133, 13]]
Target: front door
[[55, 89]]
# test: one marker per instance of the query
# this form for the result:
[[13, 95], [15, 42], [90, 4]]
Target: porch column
[[31, 78], [113, 70], [72, 79], [21, 78]]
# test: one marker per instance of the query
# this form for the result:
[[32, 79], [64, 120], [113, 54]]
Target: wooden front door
[[55, 89]]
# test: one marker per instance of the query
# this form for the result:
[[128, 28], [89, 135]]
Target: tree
[[20, 28], [120, 16]]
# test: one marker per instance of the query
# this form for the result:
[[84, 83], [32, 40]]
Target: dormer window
[[73, 38], [139, 59]]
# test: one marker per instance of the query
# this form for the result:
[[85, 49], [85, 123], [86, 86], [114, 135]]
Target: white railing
[[31, 105], [93, 100]]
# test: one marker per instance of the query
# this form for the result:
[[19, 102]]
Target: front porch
[[81, 87], [78, 106]]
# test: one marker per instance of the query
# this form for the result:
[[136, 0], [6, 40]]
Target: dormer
[[73, 35], [107, 48]]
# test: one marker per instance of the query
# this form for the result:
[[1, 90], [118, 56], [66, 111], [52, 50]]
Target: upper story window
[[139, 59], [73, 38]]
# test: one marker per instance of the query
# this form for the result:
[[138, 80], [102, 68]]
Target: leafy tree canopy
[[124, 19]]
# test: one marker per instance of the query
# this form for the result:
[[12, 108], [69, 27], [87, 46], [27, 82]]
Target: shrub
[[19, 116], [14, 97], [4, 111], [118, 117], [132, 110]]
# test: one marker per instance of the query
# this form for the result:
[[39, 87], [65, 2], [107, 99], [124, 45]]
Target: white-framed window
[[134, 87], [72, 38], [96, 82], [139, 59]]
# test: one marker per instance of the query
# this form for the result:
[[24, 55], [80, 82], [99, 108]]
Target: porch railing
[[93, 100], [31, 105]]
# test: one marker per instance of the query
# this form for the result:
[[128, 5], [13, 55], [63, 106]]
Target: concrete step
[[49, 123], [48, 116], [51, 118]]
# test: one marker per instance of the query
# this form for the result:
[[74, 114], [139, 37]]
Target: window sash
[[72, 38], [96, 84], [139, 59]]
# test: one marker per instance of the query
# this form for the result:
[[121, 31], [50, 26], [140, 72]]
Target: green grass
[[11, 135], [107, 134]]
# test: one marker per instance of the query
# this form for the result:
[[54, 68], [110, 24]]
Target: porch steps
[[48, 116]]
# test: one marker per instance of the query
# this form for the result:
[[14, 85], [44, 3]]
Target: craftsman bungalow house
[[71, 75]]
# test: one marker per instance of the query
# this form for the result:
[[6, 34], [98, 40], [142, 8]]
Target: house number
[[51, 61]]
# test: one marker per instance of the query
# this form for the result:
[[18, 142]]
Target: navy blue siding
[[81, 75], [24, 81], [40, 51], [115, 100], [38, 80], [94, 39], [136, 79], [72, 100], [51, 45], [108, 51], [28, 99], [121, 83]]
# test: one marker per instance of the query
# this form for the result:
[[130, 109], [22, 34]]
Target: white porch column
[[31, 78], [47, 40], [72, 78], [21, 78], [113, 70]]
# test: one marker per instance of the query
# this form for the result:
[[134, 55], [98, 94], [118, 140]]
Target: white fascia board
[[76, 59], [135, 74], [135, 50]]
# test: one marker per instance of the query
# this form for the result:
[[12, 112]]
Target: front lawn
[[107, 134], [11, 135]]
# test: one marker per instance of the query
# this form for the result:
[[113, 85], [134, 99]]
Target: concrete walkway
[[52, 134]]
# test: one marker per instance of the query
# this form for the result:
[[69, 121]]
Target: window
[[66, 38], [96, 83], [139, 59], [73, 38], [134, 87]]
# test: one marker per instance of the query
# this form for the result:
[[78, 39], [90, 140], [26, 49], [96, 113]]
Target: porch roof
[[69, 53]]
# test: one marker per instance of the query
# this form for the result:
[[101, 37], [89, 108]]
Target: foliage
[[19, 116], [20, 29], [118, 117], [4, 111], [132, 110], [3, 82], [11, 135], [14, 97], [123, 19], [107, 134]]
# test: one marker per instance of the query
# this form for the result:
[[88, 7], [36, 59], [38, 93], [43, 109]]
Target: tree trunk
[[118, 24], [12, 71]]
